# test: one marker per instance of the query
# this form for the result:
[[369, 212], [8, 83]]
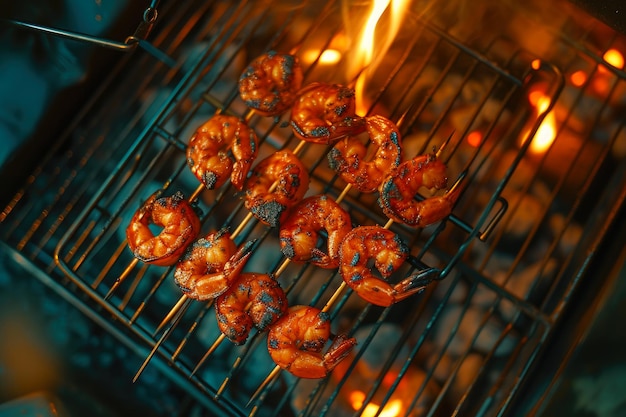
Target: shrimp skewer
[[276, 183], [348, 155], [254, 300], [386, 249], [323, 113], [180, 224], [270, 83], [207, 151], [397, 192], [210, 265], [295, 342], [299, 232]]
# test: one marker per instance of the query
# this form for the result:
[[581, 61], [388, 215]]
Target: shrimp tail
[[236, 263], [339, 349], [215, 284], [415, 283], [349, 126]]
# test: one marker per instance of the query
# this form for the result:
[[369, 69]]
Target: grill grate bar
[[173, 178]]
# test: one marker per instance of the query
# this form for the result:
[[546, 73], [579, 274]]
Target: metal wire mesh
[[509, 255]]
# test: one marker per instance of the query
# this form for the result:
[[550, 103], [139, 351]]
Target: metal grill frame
[[73, 215]]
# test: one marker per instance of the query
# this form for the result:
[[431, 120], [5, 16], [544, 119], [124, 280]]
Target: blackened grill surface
[[510, 255]]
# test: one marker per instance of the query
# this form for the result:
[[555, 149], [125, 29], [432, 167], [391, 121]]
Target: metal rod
[[130, 43]]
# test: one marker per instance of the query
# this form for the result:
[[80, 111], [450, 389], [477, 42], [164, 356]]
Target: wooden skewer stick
[[197, 192], [265, 382], [221, 337], [172, 312], [121, 278], [158, 344], [208, 353]]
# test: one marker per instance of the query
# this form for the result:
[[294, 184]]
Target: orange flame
[[330, 56], [392, 409], [546, 133], [365, 48]]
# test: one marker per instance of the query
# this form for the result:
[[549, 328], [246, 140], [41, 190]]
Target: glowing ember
[[578, 78], [536, 64], [602, 82], [474, 139], [356, 399], [392, 409], [614, 58]]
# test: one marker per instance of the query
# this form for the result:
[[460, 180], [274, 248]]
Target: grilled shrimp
[[348, 155], [323, 113], [210, 265], [386, 249], [299, 232], [207, 152], [284, 171], [398, 189], [296, 340], [254, 300], [270, 83], [180, 224]]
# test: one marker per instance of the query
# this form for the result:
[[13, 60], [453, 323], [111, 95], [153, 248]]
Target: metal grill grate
[[511, 253]]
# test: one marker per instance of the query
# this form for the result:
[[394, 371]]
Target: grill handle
[[144, 28]]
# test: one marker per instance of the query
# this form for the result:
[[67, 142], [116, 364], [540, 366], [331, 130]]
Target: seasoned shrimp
[[210, 265], [270, 83], [299, 232], [386, 249], [276, 183], [207, 152], [180, 224], [254, 300], [296, 340], [323, 113], [348, 155], [397, 192]]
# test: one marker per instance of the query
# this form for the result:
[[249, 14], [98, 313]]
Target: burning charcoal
[[568, 238], [368, 370], [618, 150], [442, 365], [470, 324], [522, 175], [523, 213], [379, 349], [527, 284], [458, 288], [466, 374]]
